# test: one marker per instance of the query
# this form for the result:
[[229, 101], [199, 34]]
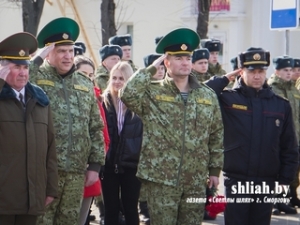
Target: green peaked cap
[[61, 31], [178, 41], [18, 47]]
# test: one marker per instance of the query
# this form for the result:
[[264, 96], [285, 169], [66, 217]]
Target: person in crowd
[[110, 55], [79, 140], [214, 47], [296, 70], [161, 70], [258, 132], [125, 41], [28, 163], [86, 66], [80, 45], [282, 85], [125, 128], [78, 50], [200, 59], [182, 124]]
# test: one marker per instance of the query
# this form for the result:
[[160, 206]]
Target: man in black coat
[[260, 147]]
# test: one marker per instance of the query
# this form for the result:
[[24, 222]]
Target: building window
[[220, 5], [216, 6]]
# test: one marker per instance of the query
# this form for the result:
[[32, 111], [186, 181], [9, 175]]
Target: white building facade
[[239, 24]]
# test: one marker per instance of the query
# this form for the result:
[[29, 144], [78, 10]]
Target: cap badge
[[65, 36], [22, 52], [183, 47], [117, 50], [277, 122], [126, 40], [256, 56], [216, 45], [203, 53]]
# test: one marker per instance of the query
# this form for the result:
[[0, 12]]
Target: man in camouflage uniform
[[214, 48], [200, 64], [125, 41], [282, 85], [110, 55], [76, 119], [182, 142]]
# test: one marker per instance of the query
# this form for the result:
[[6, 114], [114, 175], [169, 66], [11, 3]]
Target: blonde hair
[[126, 72]]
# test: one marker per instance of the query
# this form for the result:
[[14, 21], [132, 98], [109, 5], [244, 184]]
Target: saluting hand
[[4, 71], [159, 60], [232, 75], [43, 52]]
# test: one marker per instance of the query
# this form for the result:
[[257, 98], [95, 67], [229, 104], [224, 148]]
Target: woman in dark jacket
[[125, 129]]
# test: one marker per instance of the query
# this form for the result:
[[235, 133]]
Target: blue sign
[[284, 14]]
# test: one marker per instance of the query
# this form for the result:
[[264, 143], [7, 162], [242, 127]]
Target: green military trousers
[[170, 205], [65, 209]]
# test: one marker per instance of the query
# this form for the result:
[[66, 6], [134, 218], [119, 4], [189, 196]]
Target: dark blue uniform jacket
[[259, 137]]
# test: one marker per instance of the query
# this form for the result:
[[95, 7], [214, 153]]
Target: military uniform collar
[[192, 80], [280, 82]]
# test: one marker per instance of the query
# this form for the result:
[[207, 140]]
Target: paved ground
[[276, 220]]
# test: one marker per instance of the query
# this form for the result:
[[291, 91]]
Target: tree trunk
[[108, 20], [32, 11], [203, 18]]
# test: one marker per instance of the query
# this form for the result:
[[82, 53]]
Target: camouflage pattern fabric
[[133, 66], [287, 89], [76, 118], [182, 142], [174, 205], [70, 189], [215, 69], [101, 78], [201, 77]]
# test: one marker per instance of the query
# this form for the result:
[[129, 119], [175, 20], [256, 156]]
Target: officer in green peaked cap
[[72, 96], [179, 106], [61, 31], [178, 41], [18, 47]]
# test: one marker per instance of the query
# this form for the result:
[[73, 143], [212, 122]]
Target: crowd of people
[[143, 144]]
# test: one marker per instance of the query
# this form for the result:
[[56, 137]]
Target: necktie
[[21, 97]]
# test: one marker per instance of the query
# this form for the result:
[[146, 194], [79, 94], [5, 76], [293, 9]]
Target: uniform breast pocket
[[83, 102], [273, 125], [204, 116]]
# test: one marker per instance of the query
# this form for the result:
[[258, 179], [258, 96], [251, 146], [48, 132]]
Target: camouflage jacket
[[201, 77], [182, 142], [133, 66], [287, 89], [102, 76], [76, 118], [216, 70]]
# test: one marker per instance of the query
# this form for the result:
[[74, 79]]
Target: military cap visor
[[61, 31], [18, 47], [178, 41]]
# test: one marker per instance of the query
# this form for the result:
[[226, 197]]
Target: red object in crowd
[[95, 189], [216, 205], [102, 113]]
